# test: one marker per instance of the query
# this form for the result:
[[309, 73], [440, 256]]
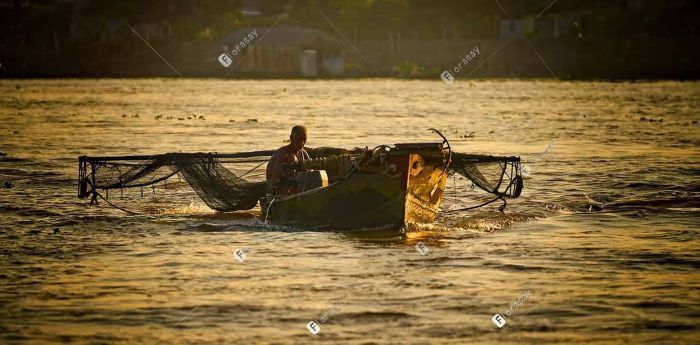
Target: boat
[[388, 186]]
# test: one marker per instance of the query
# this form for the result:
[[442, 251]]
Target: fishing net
[[224, 182], [231, 182], [499, 176], [220, 188], [237, 186]]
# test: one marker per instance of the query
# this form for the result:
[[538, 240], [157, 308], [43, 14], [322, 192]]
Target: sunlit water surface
[[626, 274]]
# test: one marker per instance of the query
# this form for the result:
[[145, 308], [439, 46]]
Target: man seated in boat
[[293, 153]]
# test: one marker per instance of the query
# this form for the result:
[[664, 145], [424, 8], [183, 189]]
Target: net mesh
[[236, 187], [237, 181], [220, 188], [497, 175]]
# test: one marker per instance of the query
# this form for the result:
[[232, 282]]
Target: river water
[[556, 268]]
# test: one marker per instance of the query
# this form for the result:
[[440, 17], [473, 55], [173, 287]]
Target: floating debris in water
[[123, 115], [34, 232], [8, 184], [251, 120], [56, 230], [17, 87], [181, 118], [169, 118], [2, 154], [158, 117], [135, 115], [642, 118], [231, 120], [201, 117]]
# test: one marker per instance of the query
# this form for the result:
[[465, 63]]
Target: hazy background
[[404, 38]]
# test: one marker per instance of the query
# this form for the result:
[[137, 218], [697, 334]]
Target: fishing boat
[[387, 186]]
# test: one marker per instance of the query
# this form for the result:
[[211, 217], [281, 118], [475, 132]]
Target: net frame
[[497, 175], [229, 188], [105, 173]]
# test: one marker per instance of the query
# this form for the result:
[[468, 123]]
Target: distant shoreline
[[571, 59], [333, 78]]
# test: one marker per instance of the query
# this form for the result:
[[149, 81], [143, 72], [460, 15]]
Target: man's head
[[297, 139]]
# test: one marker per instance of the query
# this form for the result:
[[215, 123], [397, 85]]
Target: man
[[290, 154]]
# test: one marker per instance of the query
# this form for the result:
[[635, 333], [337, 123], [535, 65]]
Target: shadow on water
[[251, 223], [410, 234]]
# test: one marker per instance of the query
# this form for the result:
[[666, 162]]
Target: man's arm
[[275, 168], [269, 171]]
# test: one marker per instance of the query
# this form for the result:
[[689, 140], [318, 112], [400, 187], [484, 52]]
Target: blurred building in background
[[592, 39], [286, 51]]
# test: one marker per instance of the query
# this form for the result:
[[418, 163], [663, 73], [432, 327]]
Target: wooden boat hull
[[406, 191]]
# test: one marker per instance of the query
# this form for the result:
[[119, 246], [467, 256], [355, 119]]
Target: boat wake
[[655, 201]]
